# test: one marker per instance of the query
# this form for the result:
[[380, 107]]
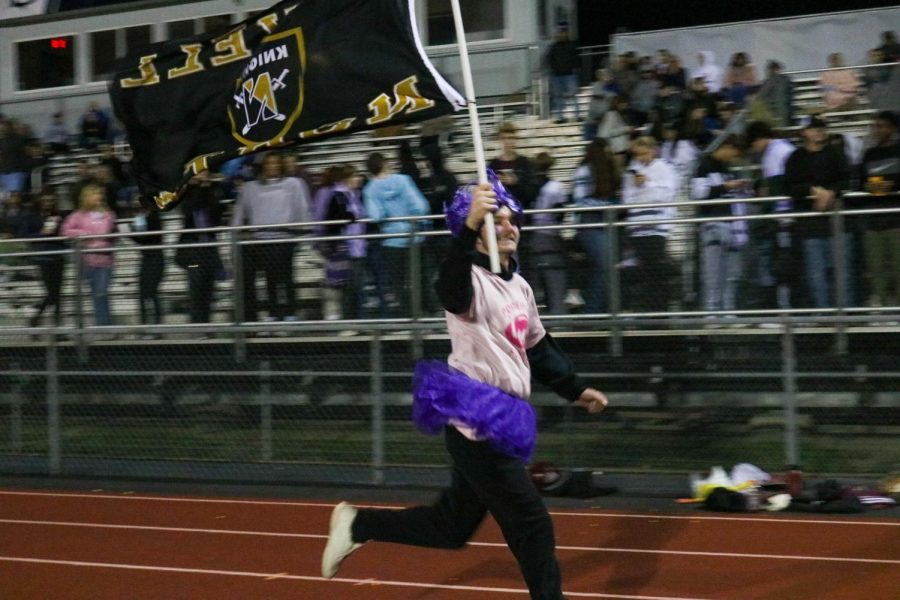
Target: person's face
[[883, 131], [508, 142], [729, 154], [271, 167], [48, 203], [94, 199], [759, 146], [643, 154], [507, 230], [815, 135], [354, 182]]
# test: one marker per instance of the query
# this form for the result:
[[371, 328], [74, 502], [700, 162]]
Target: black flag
[[299, 71]]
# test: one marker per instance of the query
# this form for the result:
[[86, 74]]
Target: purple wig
[[458, 210]]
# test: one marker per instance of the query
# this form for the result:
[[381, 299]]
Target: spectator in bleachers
[[772, 103], [876, 80], [93, 218], [740, 80], [56, 136], [271, 200], [708, 71], [678, 150], [152, 267], [603, 91], [104, 175], [696, 127], [547, 258], [35, 165], [345, 260], [890, 47], [643, 98], [439, 187], [671, 93], [840, 85], [94, 127], [649, 180], [616, 129], [390, 195], [202, 209], [13, 165], [815, 175], [880, 176], [625, 72], [775, 243], [698, 96], [43, 226], [562, 62], [596, 183], [408, 164], [722, 243], [515, 171]]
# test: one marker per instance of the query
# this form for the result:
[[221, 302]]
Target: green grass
[[350, 442]]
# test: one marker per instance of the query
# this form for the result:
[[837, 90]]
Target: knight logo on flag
[[298, 72]]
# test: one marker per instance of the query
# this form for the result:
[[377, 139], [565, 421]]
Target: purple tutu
[[442, 394]]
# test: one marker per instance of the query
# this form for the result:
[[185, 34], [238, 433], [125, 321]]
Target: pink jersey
[[490, 339]]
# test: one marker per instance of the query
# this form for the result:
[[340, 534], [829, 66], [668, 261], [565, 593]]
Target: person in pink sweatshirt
[[479, 402], [93, 218]]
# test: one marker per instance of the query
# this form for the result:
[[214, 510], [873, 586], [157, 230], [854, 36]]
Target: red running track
[[103, 546]]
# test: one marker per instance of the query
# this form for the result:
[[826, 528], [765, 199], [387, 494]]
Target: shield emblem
[[268, 97]]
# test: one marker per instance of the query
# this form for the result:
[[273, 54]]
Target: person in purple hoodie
[[478, 400]]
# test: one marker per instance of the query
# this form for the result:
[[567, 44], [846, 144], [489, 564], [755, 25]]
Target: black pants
[[650, 288], [52, 276], [201, 285], [149, 278], [483, 480], [277, 262], [397, 267]]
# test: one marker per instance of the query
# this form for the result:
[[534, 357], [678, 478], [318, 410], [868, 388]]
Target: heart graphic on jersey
[[515, 331]]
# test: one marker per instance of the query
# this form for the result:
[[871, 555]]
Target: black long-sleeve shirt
[[549, 364], [826, 168]]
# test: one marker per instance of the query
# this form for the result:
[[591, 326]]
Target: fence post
[[614, 291], [415, 290], [237, 293], [16, 427], [265, 409], [841, 274], [789, 382], [54, 434], [376, 392], [78, 269]]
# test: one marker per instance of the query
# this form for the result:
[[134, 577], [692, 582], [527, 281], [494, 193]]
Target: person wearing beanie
[[478, 399]]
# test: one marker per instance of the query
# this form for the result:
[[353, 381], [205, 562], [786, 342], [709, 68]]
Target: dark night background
[[599, 18]]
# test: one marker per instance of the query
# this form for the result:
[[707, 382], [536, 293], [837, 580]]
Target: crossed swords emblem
[[240, 101]]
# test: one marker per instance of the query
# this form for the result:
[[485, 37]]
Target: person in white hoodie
[[709, 71], [649, 180]]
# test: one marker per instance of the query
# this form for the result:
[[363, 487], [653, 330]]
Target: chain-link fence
[[310, 399]]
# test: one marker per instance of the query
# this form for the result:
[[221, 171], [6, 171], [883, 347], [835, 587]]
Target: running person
[[478, 401]]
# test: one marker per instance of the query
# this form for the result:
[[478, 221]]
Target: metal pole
[[79, 301], [614, 291], [377, 387], [415, 278], [16, 426], [54, 434], [237, 266], [265, 418], [789, 379], [841, 274]]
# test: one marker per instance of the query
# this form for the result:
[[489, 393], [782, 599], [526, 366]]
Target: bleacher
[[21, 289]]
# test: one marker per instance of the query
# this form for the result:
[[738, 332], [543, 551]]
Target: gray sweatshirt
[[262, 202]]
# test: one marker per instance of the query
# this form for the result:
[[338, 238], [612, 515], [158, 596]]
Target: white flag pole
[[469, 89]]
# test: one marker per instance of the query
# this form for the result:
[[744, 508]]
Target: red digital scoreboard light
[[59, 43]]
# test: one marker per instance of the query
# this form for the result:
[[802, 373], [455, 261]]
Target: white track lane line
[[360, 582], [649, 516], [480, 544]]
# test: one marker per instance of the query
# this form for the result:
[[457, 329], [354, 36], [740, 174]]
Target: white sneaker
[[340, 539]]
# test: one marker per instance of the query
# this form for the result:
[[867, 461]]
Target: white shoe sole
[[340, 543]]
